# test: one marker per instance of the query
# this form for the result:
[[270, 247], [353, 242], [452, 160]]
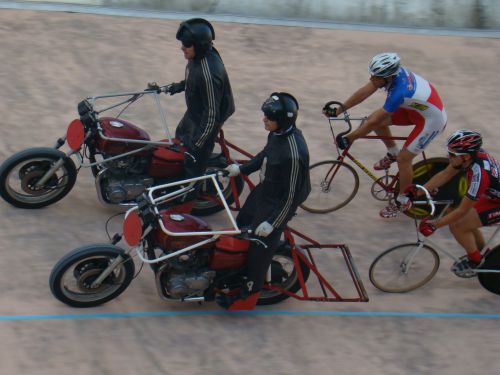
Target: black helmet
[[199, 32], [464, 141], [282, 108]]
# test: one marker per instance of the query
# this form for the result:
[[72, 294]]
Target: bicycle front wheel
[[333, 185], [404, 268]]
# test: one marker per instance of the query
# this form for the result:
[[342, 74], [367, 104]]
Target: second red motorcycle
[[123, 159]]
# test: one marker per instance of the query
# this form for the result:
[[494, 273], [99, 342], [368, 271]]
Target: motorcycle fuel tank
[[229, 253], [118, 128], [179, 223], [167, 162]]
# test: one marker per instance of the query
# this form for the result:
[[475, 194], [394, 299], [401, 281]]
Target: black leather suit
[[285, 183], [209, 102]]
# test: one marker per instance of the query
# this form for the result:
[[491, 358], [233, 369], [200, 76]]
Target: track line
[[380, 314]]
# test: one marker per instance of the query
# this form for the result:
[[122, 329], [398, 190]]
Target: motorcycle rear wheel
[[283, 274], [20, 173], [71, 278], [207, 204]]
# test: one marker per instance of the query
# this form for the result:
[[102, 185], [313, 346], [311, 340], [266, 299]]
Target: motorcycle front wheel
[[284, 275], [72, 277], [20, 173]]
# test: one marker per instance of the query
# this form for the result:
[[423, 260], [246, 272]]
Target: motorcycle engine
[[186, 276], [125, 178]]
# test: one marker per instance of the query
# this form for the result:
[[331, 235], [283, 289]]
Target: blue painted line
[[250, 313]]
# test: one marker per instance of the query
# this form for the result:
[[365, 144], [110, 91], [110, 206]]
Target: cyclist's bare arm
[[441, 178], [465, 206], [359, 96]]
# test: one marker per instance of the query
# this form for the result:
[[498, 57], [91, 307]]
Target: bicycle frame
[[426, 241], [422, 240], [388, 187]]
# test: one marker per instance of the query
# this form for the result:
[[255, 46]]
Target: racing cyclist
[[411, 100], [481, 204]]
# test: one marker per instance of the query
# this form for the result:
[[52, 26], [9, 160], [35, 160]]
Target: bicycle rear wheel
[[491, 281], [404, 268], [333, 185]]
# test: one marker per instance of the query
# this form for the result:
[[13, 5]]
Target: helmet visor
[[272, 108], [454, 153]]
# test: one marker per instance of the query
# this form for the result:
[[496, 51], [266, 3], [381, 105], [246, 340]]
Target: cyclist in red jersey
[[411, 101], [481, 204]]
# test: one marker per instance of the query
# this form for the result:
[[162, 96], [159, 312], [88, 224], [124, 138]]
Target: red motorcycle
[[123, 159], [191, 261]]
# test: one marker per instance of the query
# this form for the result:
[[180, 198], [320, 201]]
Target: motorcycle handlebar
[[248, 234], [222, 173], [153, 86]]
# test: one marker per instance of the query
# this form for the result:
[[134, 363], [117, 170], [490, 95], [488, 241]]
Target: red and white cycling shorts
[[426, 128], [488, 211]]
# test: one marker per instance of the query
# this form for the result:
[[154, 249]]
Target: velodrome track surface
[[50, 61]]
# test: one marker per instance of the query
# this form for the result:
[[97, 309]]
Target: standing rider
[[284, 185], [411, 100], [481, 204], [208, 94]]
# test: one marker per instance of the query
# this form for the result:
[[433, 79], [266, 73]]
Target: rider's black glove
[[342, 141], [153, 86], [176, 88], [330, 112]]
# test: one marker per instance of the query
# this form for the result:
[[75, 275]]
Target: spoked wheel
[[383, 188], [72, 277], [283, 274], [20, 174], [333, 185], [404, 268], [491, 280]]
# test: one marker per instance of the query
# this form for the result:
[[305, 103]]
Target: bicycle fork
[[408, 259]]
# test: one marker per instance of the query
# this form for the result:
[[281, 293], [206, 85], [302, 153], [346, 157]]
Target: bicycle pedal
[[464, 274]]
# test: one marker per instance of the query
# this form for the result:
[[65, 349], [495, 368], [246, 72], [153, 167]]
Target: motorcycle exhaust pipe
[[194, 299]]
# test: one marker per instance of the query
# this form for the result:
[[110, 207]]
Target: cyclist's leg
[[424, 131], [370, 125], [405, 166], [485, 213], [465, 231], [479, 238], [399, 117], [384, 131], [404, 160]]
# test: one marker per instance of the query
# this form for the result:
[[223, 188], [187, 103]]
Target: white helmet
[[385, 65]]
